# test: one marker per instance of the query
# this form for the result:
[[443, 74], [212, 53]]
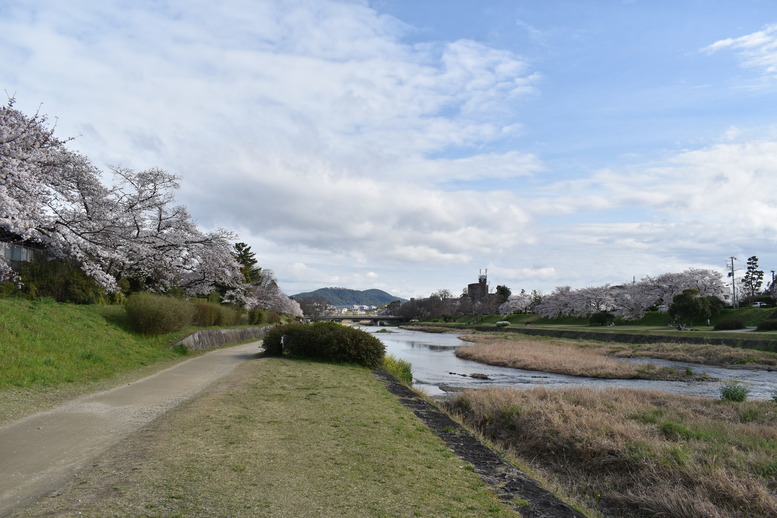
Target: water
[[437, 371]]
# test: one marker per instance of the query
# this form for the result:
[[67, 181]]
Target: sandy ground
[[41, 452]]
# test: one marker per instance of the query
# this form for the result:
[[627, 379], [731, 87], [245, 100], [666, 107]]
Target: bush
[[768, 325], [601, 318], [212, 314], [729, 323], [260, 316], [325, 341], [734, 390], [156, 314], [61, 280], [227, 316], [205, 314]]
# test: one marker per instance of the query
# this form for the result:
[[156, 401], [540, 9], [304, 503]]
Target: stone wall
[[213, 338]]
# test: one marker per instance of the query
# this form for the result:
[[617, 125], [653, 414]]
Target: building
[[479, 290]]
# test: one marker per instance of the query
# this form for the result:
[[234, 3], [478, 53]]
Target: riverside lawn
[[281, 437]]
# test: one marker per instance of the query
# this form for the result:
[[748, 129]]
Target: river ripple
[[437, 370]]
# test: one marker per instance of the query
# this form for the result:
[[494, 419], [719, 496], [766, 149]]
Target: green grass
[[284, 437], [652, 319], [46, 344], [399, 368]]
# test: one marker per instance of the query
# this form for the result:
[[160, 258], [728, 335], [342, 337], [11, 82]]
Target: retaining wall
[[213, 338]]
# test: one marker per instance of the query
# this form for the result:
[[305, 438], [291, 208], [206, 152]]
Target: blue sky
[[406, 145]]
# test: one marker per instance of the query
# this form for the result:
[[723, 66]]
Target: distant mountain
[[346, 297]]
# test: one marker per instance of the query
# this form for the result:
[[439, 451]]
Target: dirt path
[[41, 452]]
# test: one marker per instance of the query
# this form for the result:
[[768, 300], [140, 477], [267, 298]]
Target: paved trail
[[41, 452]]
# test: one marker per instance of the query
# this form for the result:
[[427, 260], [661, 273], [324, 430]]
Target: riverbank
[[281, 438], [629, 453], [605, 359]]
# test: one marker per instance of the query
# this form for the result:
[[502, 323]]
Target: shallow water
[[437, 370]]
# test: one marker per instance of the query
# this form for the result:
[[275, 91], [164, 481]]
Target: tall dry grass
[[635, 453], [707, 354], [560, 357]]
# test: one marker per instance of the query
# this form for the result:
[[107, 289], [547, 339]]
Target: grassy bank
[[282, 438], [51, 352], [601, 359], [634, 453], [660, 319], [46, 343]]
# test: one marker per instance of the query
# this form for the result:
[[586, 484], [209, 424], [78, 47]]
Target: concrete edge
[[206, 339]]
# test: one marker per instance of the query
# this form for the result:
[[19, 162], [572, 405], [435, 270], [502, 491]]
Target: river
[[437, 370]]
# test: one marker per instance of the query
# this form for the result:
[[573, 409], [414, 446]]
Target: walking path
[[39, 453]]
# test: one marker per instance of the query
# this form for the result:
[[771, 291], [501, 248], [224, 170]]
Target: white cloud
[[346, 155], [757, 49]]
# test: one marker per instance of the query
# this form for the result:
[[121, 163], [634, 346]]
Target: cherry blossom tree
[[633, 300], [131, 231], [516, 304], [266, 294], [557, 304], [593, 299]]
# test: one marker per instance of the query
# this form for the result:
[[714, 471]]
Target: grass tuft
[[399, 368], [734, 390]]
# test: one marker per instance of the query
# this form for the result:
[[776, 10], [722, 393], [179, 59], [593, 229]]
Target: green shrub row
[[728, 324], [156, 314], [602, 318], [327, 341], [263, 316], [210, 314], [153, 314], [60, 280], [768, 325]]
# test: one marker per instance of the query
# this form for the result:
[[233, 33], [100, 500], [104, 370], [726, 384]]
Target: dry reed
[[561, 357], [638, 453]]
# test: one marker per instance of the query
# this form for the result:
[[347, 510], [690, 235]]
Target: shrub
[[502, 323], [255, 316], [325, 341], [205, 314], [261, 316], [734, 390], [768, 325], [227, 316], [601, 318], [729, 323], [212, 314], [61, 280], [156, 314]]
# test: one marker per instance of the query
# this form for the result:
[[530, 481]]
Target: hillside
[[347, 297]]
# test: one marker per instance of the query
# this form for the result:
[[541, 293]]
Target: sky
[[409, 145]]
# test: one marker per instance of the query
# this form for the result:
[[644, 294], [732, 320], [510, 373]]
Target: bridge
[[374, 319]]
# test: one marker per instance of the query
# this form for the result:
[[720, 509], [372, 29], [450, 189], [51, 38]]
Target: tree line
[[693, 292], [128, 236]]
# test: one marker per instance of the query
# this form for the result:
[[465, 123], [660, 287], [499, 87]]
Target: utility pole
[[734, 300]]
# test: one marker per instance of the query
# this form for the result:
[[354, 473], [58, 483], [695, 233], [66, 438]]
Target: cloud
[[346, 154], [756, 50]]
